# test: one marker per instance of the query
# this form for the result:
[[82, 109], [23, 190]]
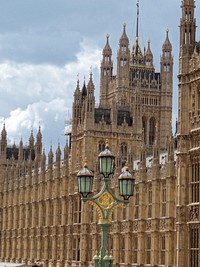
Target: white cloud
[[42, 94]]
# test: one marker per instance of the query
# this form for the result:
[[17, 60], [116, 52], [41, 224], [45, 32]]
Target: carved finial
[[126, 165], [85, 162], [106, 146]]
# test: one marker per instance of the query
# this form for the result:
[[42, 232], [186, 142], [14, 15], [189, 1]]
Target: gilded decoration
[[106, 201]]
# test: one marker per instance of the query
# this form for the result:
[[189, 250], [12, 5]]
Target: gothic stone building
[[42, 218]]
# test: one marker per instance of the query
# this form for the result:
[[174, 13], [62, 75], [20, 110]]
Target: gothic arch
[[152, 130], [144, 128]]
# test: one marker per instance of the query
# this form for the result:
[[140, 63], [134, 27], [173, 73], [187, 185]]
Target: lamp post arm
[[105, 202]]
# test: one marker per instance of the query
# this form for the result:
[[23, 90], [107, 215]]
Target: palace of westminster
[[42, 217]]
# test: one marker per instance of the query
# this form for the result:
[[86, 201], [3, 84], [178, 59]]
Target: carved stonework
[[116, 227], [148, 225], [193, 213], [135, 226], [163, 224], [180, 213], [123, 226]]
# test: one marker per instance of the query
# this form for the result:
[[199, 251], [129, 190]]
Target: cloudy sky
[[44, 44]]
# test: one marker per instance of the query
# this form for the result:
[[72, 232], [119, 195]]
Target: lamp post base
[[104, 259]]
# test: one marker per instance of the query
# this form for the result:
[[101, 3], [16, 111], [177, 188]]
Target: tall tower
[[106, 72], [188, 162], [3, 145], [123, 60], [187, 45], [166, 71]]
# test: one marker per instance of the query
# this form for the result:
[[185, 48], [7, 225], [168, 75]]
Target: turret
[[106, 72], [123, 60], [187, 46], [3, 143], [38, 145], [21, 151], [149, 56], [31, 140], [90, 103], [166, 61], [50, 157], [187, 35], [76, 107], [43, 162], [166, 70], [50, 162], [58, 160]]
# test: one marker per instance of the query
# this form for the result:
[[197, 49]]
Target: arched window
[[123, 153], [123, 62], [190, 39], [151, 131], [144, 128], [107, 59], [185, 38], [101, 146], [123, 48]]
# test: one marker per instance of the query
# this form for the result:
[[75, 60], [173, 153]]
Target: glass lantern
[[106, 161], [85, 180], [126, 183]]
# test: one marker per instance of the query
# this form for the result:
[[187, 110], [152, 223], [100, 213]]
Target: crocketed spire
[[124, 35], [31, 139], [90, 86], [84, 90], [3, 132], [107, 49], [50, 156], [58, 153], [148, 51], [167, 44], [39, 135], [77, 91]]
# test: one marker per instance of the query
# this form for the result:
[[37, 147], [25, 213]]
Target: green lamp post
[[105, 201]]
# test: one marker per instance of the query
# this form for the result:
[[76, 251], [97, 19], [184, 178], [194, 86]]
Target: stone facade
[[42, 218], [188, 153]]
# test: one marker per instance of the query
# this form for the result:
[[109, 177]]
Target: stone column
[[54, 248], [128, 248], [63, 211], [46, 249], [39, 247], [141, 248], [116, 248], [155, 248]]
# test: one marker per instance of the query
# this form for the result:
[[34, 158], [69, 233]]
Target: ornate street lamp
[[126, 183], [85, 180], [105, 201], [106, 162]]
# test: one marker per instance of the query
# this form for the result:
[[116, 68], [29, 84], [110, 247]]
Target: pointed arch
[[144, 128], [101, 146], [124, 153], [152, 130]]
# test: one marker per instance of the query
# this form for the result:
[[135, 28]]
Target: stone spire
[[3, 143]]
